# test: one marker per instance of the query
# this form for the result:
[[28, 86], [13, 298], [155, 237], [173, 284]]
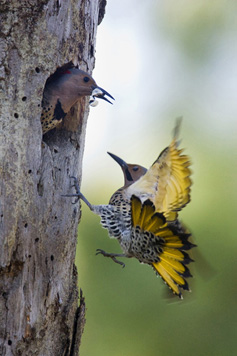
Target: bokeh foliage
[[128, 310]]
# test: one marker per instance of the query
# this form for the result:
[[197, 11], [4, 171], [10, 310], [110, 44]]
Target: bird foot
[[78, 194], [111, 255], [76, 185]]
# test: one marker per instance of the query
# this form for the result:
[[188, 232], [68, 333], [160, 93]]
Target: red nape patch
[[67, 71]]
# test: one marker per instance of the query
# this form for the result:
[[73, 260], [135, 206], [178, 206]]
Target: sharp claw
[[111, 255], [76, 185], [119, 262], [76, 201], [98, 251], [78, 193], [75, 179]]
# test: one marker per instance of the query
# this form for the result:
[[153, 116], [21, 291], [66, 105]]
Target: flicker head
[[131, 172], [86, 86]]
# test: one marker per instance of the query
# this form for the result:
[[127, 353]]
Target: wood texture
[[39, 312]]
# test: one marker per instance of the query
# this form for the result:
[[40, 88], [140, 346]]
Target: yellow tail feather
[[144, 216], [146, 213], [166, 241], [166, 277], [136, 206], [157, 220], [173, 253], [176, 265]]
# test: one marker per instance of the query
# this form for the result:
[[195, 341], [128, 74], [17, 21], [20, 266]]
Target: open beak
[[100, 94]]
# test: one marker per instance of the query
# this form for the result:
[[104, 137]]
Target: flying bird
[[63, 90], [143, 215]]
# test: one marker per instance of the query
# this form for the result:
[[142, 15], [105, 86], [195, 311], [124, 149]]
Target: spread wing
[[160, 245], [167, 183]]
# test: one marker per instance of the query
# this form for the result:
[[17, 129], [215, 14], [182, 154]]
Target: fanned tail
[[168, 241]]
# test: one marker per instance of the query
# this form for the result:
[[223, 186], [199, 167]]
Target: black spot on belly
[[58, 111]]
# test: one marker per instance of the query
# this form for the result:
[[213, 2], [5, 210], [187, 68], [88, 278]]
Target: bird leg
[[78, 194], [112, 256]]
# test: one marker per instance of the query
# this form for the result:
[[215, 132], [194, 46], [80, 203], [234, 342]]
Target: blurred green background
[[161, 60]]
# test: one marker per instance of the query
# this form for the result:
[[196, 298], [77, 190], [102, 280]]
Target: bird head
[[86, 86], [131, 172]]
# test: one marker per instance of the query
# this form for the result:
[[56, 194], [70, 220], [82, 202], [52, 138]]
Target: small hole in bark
[[24, 98], [52, 257], [40, 189], [29, 256], [37, 69], [29, 171], [55, 151], [9, 342], [55, 217], [92, 51], [1, 215], [16, 115], [26, 225], [37, 239]]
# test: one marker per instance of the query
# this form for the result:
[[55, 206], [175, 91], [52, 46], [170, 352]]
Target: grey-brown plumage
[[62, 91]]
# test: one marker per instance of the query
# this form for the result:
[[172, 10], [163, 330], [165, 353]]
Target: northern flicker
[[63, 90], [142, 215]]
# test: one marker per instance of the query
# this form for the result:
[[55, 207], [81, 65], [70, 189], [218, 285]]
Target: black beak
[[100, 93], [120, 161], [124, 166]]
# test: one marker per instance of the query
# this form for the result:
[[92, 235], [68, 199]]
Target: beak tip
[[117, 159], [101, 93]]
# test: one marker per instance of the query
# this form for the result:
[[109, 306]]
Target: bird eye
[[135, 169], [86, 79]]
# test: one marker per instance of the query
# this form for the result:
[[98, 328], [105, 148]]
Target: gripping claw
[[111, 255]]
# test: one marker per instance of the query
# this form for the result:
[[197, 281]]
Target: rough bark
[[39, 312]]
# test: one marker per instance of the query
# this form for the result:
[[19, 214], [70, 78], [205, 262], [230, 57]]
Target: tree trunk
[[39, 312]]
